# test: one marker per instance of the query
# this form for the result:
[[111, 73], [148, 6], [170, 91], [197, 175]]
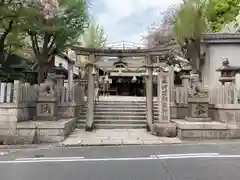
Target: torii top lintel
[[138, 52]]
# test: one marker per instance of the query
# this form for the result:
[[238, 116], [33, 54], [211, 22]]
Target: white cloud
[[128, 19]]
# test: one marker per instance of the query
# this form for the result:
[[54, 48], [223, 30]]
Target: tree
[[94, 36], [13, 49], [221, 12], [12, 14], [54, 28], [189, 22], [190, 19], [233, 26], [161, 33]]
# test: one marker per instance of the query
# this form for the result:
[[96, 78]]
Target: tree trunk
[[42, 72], [193, 53], [43, 67]]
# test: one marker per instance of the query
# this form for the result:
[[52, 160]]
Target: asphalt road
[[166, 162]]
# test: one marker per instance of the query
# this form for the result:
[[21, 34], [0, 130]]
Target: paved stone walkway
[[115, 137]]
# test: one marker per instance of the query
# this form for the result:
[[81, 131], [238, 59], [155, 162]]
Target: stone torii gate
[[94, 55]]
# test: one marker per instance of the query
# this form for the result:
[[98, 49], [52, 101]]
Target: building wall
[[215, 53]]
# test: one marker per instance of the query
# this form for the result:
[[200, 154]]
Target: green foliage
[[12, 36], [195, 17], [190, 20], [49, 35], [94, 36], [12, 15], [221, 12], [54, 32]]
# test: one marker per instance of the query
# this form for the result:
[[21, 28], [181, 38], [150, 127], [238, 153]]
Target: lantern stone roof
[[226, 67]]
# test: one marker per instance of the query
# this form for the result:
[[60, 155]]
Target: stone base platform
[[39, 131], [164, 129], [115, 137], [204, 130]]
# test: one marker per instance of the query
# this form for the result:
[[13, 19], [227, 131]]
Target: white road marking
[[187, 155], [48, 158], [151, 157], [3, 153]]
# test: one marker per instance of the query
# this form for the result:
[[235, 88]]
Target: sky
[[128, 20]]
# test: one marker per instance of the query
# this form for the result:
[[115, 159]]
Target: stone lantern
[[228, 73], [185, 75], [60, 74]]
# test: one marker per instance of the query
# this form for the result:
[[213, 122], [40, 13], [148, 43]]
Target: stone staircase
[[118, 115]]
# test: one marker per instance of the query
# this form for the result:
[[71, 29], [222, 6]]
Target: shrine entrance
[[125, 86], [128, 87]]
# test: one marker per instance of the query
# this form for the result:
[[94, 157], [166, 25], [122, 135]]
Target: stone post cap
[[185, 77], [194, 75]]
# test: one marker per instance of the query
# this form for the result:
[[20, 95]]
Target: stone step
[[123, 107], [122, 113], [136, 102], [120, 126], [106, 117], [118, 117], [144, 108], [80, 126], [116, 121], [98, 109], [125, 103]]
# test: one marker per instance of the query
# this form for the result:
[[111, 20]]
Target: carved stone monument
[[198, 103], [46, 103], [164, 126]]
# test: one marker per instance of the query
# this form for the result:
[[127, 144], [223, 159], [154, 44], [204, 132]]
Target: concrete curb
[[29, 146], [129, 144], [60, 145]]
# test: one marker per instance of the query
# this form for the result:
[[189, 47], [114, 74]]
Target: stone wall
[[228, 116], [11, 112], [218, 112], [18, 103]]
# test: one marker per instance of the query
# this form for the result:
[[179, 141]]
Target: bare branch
[[51, 43], [34, 43]]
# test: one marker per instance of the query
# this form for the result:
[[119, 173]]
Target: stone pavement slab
[[132, 142], [87, 142], [104, 137], [112, 142], [152, 141]]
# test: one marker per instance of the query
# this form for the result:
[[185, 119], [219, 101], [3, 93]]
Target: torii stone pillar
[[90, 95], [149, 91], [70, 79], [171, 85]]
